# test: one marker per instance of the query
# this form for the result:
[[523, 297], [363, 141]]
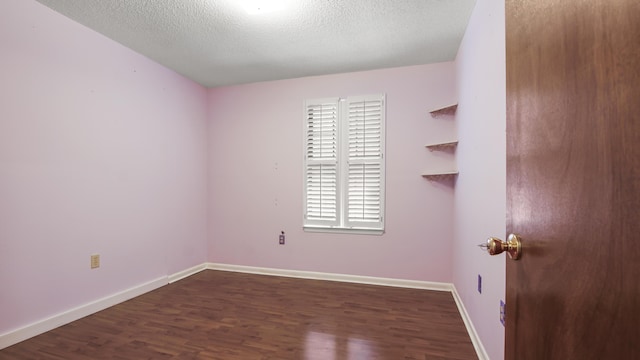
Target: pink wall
[[256, 177], [101, 151], [480, 198], [104, 151]]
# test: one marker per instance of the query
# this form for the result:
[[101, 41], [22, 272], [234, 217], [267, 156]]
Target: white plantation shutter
[[365, 165], [344, 163], [321, 162]]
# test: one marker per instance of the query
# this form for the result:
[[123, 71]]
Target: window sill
[[341, 230]]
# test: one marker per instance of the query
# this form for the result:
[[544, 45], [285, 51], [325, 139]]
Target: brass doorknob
[[512, 246]]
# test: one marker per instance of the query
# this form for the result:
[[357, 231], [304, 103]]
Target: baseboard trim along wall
[[414, 284], [37, 328], [186, 273], [475, 340], [63, 318]]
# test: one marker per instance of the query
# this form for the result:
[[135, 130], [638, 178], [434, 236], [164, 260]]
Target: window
[[344, 164]]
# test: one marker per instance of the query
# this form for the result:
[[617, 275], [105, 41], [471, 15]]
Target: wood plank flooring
[[235, 316]]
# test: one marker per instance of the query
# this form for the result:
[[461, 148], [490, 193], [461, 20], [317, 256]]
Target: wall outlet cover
[[95, 261]]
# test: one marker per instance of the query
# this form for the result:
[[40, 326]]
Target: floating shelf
[[442, 145], [440, 176], [444, 112], [447, 112]]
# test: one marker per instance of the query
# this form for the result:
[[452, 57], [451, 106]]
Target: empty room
[[318, 179]]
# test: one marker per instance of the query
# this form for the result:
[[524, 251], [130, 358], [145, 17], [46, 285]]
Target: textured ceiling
[[219, 42]]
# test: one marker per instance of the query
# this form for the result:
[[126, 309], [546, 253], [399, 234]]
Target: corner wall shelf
[[444, 112], [447, 112], [440, 176], [442, 145]]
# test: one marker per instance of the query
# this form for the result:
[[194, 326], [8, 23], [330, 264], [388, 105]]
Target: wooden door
[[573, 179]]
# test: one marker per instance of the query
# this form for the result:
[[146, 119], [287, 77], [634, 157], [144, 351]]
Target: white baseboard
[[186, 273], [414, 284], [50, 323], [42, 326], [475, 339]]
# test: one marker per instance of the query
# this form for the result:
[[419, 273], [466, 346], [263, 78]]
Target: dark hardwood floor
[[226, 315]]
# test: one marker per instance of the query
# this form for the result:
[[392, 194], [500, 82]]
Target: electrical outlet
[[479, 284], [95, 261], [502, 312], [281, 238]]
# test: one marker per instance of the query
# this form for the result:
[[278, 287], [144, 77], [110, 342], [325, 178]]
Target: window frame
[[342, 223]]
